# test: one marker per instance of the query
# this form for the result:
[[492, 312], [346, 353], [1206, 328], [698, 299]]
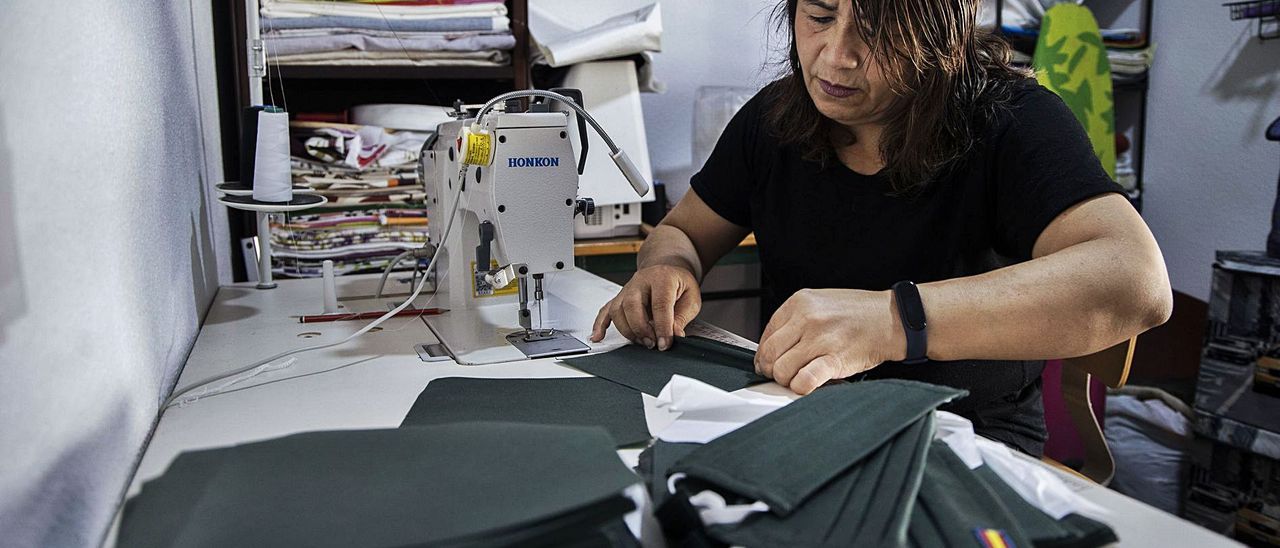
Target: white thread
[[272, 180]]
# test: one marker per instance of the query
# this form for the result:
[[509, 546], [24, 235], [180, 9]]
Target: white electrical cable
[[382, 282], [177, 397], [613, 147], [628, 168]]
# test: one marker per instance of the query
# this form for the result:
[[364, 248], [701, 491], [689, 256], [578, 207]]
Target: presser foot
[[546, 343]]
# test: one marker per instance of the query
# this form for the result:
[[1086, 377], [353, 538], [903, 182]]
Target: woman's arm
[[663, 296], [1096, 278]]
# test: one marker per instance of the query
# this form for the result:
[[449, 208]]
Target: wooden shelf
[[628, 245], [607, 246]]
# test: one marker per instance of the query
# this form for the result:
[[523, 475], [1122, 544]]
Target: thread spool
[[330, 289], [264, 154]]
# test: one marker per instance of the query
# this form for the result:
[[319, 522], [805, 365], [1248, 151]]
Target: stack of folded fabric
[[356, 241], [461, 484], [376, 202], [383, 32], [862, 465], [1129, 53], [1127, 50]]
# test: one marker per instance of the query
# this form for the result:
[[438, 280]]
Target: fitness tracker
[[911, 312]]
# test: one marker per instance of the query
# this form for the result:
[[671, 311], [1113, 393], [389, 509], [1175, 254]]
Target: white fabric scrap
[[564, 39], [1035, 483], [713, 509], [957, 433], [706, 412]]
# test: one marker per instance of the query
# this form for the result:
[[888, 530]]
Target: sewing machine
[[515, 180]]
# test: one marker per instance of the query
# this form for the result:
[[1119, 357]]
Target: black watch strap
[[911, 312]]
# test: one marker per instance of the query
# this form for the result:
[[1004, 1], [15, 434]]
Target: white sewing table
[[372, 382]]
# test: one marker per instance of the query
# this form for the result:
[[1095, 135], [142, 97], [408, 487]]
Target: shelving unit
[[320, 88], [1136, 87]]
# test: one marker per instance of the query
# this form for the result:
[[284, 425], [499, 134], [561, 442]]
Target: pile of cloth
[[1128, 51], [387, 32], [531, 462], [356, 241], [376, 202]]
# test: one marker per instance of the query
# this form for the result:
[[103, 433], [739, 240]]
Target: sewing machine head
[[515, 180]]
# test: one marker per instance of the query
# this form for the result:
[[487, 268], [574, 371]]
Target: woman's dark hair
[[948, 75]]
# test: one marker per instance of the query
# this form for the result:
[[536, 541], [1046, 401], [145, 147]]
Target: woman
[[902, 147]]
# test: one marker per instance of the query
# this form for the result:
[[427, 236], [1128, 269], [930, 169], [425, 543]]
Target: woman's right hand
[[654, 307]]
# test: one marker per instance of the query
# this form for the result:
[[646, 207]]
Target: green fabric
[[723, 366], [954, 501], [784, 457], [654, 463], [1071, 60], [1072, 531], [869, 505], [570, 402], [467, 484]]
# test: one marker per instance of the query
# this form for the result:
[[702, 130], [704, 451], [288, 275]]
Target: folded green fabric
[[572, 402], [1072, 531], [654, 463], [868, 505], [784, 457], [957, 504], [467, 484], [723, 366]]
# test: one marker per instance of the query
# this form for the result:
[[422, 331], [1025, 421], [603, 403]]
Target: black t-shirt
[[832, 227]]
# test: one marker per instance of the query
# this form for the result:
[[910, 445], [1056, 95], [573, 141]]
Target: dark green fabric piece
[[723, 366], [570, 402], [576, 529], [869, 505], [654, 463], [1072, 531], [1084, 533], [954, 501], [467, 484], [784, 457]]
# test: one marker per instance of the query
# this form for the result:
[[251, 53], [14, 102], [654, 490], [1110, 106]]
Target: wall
[[1211, 177], [106, 253], [707, 43]]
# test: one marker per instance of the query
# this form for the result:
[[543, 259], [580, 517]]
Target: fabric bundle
[[461, 484], [849, 465], [1128, 52], [531, 462], [402, 33], [376, 202], [356, 241]]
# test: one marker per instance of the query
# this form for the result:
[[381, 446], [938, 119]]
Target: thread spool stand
[[244, 201], [240, 196]]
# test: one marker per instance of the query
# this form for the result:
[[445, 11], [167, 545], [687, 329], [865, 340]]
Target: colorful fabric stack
[[376, 202], [356, 241], [387, 33], [356, 165]]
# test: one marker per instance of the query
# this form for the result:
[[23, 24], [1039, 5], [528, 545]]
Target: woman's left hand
[[824, 334]]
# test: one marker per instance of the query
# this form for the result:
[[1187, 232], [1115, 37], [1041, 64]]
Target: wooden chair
[[1111, 366]]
